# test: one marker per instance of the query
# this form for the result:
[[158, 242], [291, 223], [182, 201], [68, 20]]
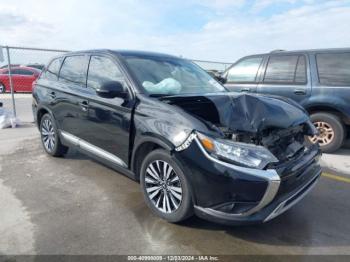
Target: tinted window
[[74, 69], [245, 70], [286, 69], [21, 72], [102, 69], [53, 69], [334, 69]]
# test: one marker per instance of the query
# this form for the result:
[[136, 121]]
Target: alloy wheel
[[48, 135], [163, 186], [326, 133]]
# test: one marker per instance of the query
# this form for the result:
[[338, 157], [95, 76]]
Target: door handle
[[299, 92], [52, 94], [84, 105], [246, 89]]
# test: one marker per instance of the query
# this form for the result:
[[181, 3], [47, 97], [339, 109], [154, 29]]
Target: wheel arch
[[3, 84], [42, 111], [328, 109], [143, 147]]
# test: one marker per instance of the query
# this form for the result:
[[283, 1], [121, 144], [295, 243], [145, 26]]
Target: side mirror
[[112, 89]]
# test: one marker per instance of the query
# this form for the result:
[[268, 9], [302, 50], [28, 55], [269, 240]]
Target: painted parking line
[[336, 177]]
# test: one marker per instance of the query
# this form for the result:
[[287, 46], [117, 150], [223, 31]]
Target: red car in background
[[22, 79]]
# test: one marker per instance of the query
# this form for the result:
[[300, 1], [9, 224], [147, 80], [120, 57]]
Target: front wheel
[[2, 88], [49, 137], [331, 131], [165, 188]]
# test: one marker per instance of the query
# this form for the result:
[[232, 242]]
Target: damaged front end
[[246, 127], [256, 146], [284, 144]]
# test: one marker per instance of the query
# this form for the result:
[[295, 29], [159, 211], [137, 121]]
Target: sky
[[219, 30]]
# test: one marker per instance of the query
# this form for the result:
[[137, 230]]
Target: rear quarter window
[[334, 68]]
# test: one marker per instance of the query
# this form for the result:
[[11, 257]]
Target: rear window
[[286, 69], [334, 69], [51, 72], [21, 72], [74, 69]]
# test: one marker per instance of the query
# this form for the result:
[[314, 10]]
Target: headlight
[[241, 153]]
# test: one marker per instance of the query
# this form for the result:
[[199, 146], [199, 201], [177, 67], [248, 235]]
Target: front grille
[[285, 144], [293, 178]]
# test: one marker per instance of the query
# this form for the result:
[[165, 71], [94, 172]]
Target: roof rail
[[277, 50]]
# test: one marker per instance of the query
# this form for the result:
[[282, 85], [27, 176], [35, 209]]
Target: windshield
[[171, 76]]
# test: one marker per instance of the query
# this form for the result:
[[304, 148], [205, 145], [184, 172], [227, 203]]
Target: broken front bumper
[[231, 194]]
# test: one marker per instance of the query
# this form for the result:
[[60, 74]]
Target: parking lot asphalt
[[74, 205]]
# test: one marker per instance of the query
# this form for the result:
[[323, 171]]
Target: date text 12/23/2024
[[173, 258]]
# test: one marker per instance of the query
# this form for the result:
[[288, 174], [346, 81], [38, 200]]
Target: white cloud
[[134, 24], [262, 4], [222, 4]]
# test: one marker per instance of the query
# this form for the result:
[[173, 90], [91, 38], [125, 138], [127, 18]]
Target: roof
[[347, 49], [21, 67], [122, 52]]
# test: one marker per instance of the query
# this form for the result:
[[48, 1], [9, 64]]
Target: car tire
[[332, 131], [50, 138], [2, 88], [173, 200]]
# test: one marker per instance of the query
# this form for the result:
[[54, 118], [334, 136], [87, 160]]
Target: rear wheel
[[2, 88], [165, 188], [49, 137], [331, 131]]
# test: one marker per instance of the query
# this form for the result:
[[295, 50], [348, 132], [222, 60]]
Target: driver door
[[243, 75], [108, 119]]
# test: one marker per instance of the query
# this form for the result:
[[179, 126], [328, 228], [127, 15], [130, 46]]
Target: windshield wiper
[[160, 95]]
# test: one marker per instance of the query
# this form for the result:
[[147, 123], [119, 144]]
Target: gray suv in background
[[317, 79]]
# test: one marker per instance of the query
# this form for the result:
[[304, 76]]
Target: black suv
[[318, 79], [194, 147]]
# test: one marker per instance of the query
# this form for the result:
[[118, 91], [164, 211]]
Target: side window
[[21, 72], [287, 69], [51, 72], [74, 69], [102, 69], [15, 72], [245, 70], [334, 68]]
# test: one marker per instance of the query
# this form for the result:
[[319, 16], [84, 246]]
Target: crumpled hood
[[242, 112]]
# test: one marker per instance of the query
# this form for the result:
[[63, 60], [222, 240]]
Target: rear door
[[109, 119], [243, 76], [70, 99], [16, 80], [286, 75], [332, 79]]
